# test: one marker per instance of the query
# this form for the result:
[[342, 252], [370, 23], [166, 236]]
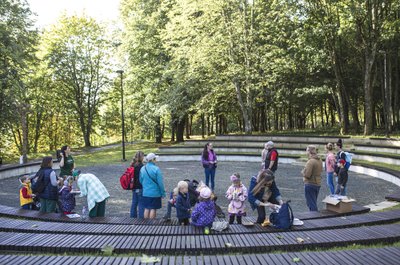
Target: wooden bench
[[14, 212], [376, 256], [199, 244], [33, 226]]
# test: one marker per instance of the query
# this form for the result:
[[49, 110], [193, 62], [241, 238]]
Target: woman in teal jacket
[[153, 186]]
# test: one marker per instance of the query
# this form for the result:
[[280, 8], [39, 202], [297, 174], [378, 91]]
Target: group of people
[[193, 201], [57, 193]]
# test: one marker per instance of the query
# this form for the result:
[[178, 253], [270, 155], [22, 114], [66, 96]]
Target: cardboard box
[[339, 204]]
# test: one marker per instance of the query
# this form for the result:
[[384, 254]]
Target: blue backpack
[[284, 218], [349, 158]]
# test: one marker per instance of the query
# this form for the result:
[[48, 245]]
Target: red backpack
[[128, 179]]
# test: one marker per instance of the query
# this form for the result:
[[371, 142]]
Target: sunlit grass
[[113, 155]]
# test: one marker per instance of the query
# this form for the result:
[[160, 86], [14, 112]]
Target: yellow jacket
[[28, 189]]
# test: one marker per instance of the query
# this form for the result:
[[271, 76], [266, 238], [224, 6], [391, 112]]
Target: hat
[[342, 161], [234, 178], [270, 143], [205, 193], [151, 156], [76, 172]]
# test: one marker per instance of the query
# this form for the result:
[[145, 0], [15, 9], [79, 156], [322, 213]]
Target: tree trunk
[[203, 125], [157, 130], [25, 129], [180, 128], [246, 110], [368, 100], [187, 126]]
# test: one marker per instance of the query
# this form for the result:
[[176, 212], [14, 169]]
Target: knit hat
[[234, 178], [342, 161], [205, 193]]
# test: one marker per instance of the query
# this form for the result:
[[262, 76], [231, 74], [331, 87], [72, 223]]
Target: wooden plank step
[[33, 226], [376, 256], [206, 244]]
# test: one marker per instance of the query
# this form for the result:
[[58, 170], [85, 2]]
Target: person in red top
[[25, 193], [271, 159]]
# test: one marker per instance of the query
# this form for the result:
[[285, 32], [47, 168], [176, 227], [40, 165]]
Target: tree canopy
[[200, 67]]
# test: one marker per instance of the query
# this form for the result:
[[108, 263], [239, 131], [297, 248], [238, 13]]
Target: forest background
[[190, 67]]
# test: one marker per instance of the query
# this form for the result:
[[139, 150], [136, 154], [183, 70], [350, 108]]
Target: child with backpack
[[25, 193], [342, 178], [237, 195], [204, 212], [183, 207]]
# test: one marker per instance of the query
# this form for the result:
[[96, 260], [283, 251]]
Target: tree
[[78, 53], [17, 50]]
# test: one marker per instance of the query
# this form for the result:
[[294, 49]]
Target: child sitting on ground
[[183, 203], [204, 212], [67, 198], [342, 178], [237, 195], [25, 193]]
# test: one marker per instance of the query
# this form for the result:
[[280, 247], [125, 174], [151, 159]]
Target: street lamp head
[[120, 71]]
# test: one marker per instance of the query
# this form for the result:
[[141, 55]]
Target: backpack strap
[[145, 167]]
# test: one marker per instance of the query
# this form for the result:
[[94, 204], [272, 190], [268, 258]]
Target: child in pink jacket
[[237, 194]]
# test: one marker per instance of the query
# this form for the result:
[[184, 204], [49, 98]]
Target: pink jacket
[[330, 162], [237, 197]]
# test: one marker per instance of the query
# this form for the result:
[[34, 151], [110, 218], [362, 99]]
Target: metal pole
[[122, 116]]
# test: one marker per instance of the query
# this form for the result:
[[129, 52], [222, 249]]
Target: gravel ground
[[363, 188]]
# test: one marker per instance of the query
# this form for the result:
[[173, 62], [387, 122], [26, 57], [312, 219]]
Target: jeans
[[27, 206], [210, 172], [311, 193], [136, 202], [329, 181]]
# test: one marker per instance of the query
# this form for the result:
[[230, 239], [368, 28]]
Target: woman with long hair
[[137, 192], [67, 163], [263, 192], [330, 164], [312, 177], [209, 161]]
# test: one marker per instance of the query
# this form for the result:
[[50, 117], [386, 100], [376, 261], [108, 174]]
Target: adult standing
[[263, 192], [312, 177], [330, 164], [67, 163], [95, 192], [153, 186], [49, 195], [137, 192], [209, 161], [271, 157]]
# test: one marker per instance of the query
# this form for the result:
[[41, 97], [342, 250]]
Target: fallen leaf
[[299, 240], [34, 226], [149, 259], [279, 237], [296, 259], [228, 245]]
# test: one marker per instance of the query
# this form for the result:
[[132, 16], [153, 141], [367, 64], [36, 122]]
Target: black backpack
[[38, 186]]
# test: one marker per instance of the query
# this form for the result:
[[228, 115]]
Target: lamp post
[[121, 72]]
